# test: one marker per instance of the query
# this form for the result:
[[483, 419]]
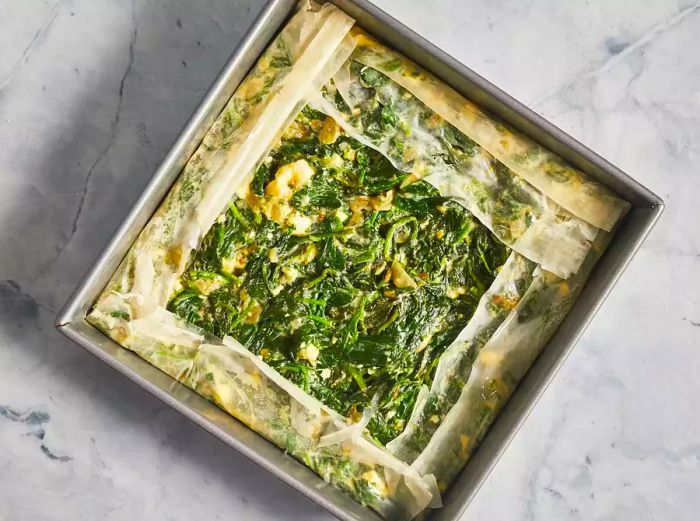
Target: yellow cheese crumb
[[333, 161], [410, 178], [308, 352], [464, 442], [206, 286], [289, 274], [373, 479], [456, 292], [330, 131], [278, 192], [236, 263], [490, 357], [300, 223], [349, 153], [288, 178], [254, 314], [296, 323], [174, 256], [400, 278], [564, 288], [309, 253]]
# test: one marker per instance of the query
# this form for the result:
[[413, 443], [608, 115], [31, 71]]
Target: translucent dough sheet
[[382, 114], [455, 365], [258, 111], [247, 388], [402, 224], [131, 309], [499, 366], [567, 186]]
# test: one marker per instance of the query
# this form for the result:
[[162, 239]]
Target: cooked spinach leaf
[[363, 300]]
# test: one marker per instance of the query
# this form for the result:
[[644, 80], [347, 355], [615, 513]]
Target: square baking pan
[[646, 208]]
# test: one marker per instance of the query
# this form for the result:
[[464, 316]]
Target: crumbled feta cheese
[[289, 274], [340, 214], [300, 223], [296, 323], [456, 292], [206, 286], [400, 278], [330, 131], [288, 178], [308, 352]]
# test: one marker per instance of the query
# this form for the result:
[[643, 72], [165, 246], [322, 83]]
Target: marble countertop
[[94, 92]]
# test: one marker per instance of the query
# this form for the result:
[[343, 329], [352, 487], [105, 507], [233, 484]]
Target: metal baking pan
[[646, 208]]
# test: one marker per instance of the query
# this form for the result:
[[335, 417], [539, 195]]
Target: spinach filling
[[345, 279]]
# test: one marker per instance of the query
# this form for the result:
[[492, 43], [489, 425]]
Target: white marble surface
[[92, 94]]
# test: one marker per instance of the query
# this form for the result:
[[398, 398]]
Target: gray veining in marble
[[93, 93]]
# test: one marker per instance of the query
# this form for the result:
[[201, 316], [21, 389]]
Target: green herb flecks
[[362, 302]]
